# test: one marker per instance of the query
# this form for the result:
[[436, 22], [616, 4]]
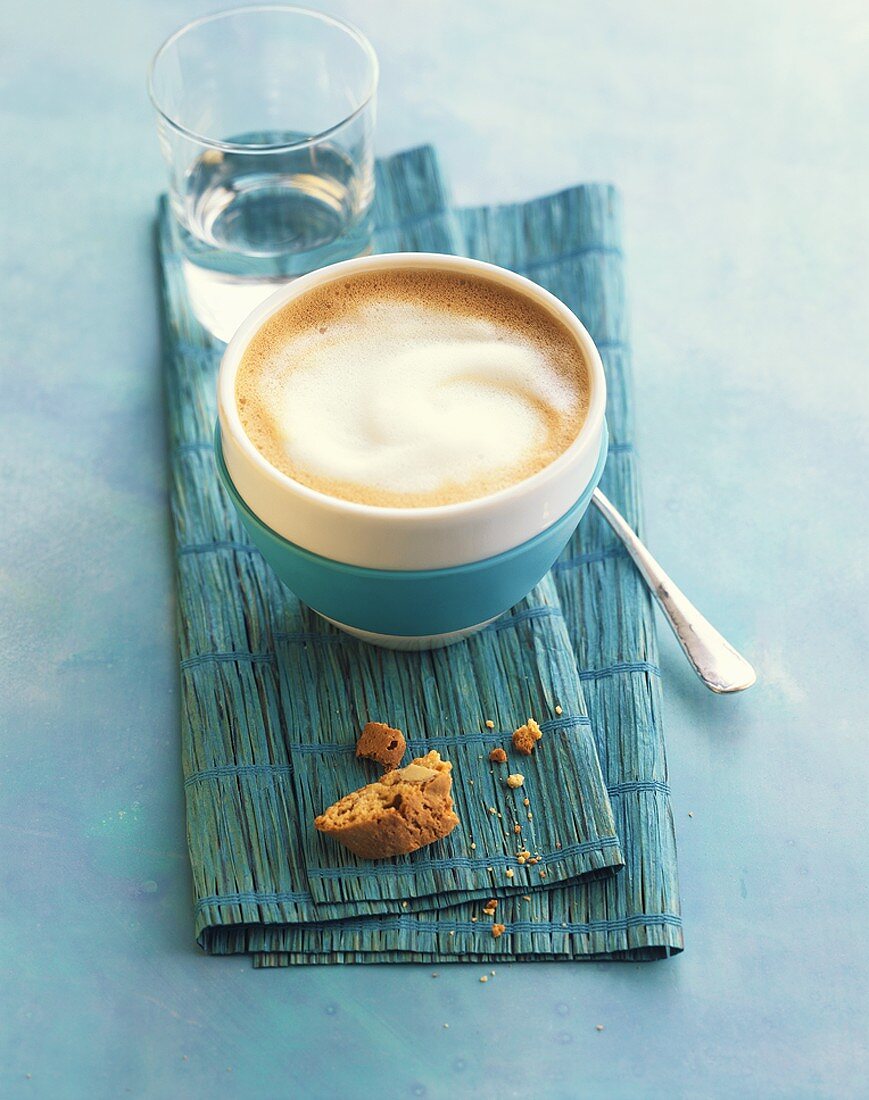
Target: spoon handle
[[713, 658]]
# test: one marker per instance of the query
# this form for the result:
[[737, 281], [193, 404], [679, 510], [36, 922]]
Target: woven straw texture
[[272, 697]]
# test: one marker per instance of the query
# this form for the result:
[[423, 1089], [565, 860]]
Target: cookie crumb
[[517, 828], [434, 973], [515, 780], [598, 1027], [558, 710], [526, 801], [381, 743], [484, 977], [509, 872], [490, 725], [473, 847], [690, 813], [446, 1025], [498, 756], [525, 737], [498, 930], [526, 897], [542, 873]]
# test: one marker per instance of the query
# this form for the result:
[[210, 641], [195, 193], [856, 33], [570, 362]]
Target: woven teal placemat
[[257, 666], [521, 665]]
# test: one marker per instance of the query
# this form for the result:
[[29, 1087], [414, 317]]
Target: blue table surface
[[738, 134]]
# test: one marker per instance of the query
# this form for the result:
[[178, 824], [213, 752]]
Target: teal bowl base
[[408, 642], [412, 609]]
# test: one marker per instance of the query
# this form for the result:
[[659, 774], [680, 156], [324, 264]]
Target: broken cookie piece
[[382, 743], [405, 810], [526, 737], [498, 756]]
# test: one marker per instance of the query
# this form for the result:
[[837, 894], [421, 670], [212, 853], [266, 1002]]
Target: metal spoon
[[714, 659]]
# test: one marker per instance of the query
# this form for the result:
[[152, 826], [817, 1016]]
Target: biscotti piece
[[526, 737], [405, 810], [382, 743]]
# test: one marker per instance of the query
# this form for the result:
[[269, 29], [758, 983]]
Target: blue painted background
[[738, 134]]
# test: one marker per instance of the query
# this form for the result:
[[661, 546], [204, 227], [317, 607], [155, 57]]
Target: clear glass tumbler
[[265, 119]]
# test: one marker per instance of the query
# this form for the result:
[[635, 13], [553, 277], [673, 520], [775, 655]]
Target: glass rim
[[244, 147]]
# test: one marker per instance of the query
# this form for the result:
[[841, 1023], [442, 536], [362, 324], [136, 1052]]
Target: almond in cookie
[[405, 810], [526, 737], [381, 743]]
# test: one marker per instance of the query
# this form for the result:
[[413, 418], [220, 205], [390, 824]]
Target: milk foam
[[402, 400]]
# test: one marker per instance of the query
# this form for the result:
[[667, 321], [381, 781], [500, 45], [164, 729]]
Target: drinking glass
[[265, 117]]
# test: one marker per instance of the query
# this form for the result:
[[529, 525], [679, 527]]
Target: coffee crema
[[412, 388]]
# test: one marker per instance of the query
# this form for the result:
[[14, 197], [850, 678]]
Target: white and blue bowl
[[410, 578], [411, 608]]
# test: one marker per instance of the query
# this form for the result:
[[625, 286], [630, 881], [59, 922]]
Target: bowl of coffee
[[409, 438]]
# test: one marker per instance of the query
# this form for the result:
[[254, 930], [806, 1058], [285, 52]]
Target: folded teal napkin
[[273, 697]]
